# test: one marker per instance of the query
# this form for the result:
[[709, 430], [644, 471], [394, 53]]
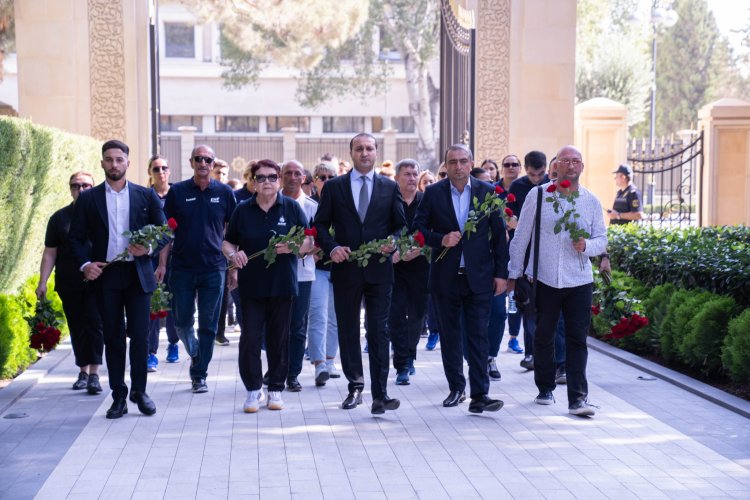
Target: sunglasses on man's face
[[207, 159], [83, 185]]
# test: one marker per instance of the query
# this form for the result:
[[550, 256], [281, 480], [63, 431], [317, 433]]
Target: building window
[[171, 123], [237, 124], [179, 40], [276, 123], [335, 124], [403, 124]]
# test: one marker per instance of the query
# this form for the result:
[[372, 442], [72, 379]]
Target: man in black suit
[[101, 215], [463, 282], [359, 207]]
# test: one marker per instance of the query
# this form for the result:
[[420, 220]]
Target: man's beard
[[114, 175]]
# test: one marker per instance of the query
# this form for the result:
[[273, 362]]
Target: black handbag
[[525, 291]]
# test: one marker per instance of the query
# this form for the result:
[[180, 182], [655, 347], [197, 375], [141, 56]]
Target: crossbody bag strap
[[537, 231]]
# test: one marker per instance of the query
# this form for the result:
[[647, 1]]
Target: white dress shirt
[[118, 216], [559, 262], [461, 207]]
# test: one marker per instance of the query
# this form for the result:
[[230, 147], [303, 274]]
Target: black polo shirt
[[419, 265], [67, 275], [627, 200], [242, 194], [251, 228], [201, 216]]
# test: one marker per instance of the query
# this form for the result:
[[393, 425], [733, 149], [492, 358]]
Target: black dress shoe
[[145, 405], [484, 403], [454, 398], [293, 385], [379, 405], [118, 409], [353, 400], [93, 386]]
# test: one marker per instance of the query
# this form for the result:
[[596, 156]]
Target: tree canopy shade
[[333, 45]]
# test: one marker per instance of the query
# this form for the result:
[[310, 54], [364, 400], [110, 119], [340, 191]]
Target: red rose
[[419, 238], [162, 314], [565, 184], [39, 327], [508, 212], [153, 316], [511, 198], [36, 341], [172, 223], [552, 188], [596, 309], [499, 190], [311, 232]]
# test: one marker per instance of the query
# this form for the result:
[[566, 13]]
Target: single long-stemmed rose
[[160, 301], [492, 203], [294, 240], [569, 215]]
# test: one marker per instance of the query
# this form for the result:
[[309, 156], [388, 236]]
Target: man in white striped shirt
[[565, 279]]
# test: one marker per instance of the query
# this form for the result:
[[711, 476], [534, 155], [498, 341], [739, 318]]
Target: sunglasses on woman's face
[[324, 177]]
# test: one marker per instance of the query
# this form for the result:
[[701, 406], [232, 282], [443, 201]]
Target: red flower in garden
[[596, 309], [499, 190], [508, 212], [311, 232], [511, 198], [419, 238], [565, 184], [552, 188]]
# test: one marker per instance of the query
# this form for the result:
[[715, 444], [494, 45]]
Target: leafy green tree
[[7, 31], [332, 45]]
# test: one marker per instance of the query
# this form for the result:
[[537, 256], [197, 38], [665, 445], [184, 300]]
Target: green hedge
[[715, 258], [736, 352], [35, 164], [15, 353]]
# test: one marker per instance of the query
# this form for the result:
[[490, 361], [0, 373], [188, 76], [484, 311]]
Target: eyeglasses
[[324, 177], [207, 159], [156, 170], [266, 178], [511, 165], [442, 175], [569, 161], [84, 185]]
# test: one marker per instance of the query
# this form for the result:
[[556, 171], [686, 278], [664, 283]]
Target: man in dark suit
[[359, 207], [463, 282], [101, 215]]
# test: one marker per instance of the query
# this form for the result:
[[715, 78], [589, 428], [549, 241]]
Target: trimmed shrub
[[736, 352], [35, 164], [655, 307], [702, 344], [683, 306], [15, 353]]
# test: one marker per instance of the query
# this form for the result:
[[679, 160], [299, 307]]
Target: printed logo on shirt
[[190, 199], [215, 200], [282, 221]]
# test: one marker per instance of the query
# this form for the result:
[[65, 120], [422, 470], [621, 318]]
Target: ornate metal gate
[[669, 176]]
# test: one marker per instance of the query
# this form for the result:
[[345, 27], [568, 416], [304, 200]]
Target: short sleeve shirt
[[201, 216], [67, 274], [251, 228], [627, 200]]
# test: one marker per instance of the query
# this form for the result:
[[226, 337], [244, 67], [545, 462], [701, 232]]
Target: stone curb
[[33, 374], [716, 396]]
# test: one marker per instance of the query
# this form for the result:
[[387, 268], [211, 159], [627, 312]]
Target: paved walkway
[[650, 439]]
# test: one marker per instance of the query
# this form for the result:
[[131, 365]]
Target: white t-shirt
[[306, 265]]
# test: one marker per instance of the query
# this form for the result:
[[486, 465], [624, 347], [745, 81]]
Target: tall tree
[[332, 45], [7, 31]]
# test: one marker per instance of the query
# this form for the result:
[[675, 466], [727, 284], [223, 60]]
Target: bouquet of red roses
[[293, 239], [45, 331], [406, 242], [627, 326], [569, 215], [160, 301], [148, 236]]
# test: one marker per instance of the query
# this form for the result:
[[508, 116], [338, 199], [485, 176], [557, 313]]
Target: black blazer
[[485, 251], [90, 223], [337, 211]]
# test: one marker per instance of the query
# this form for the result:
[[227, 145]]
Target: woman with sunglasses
[[78, 299], [158, 180], [322, 327], [264, 308]]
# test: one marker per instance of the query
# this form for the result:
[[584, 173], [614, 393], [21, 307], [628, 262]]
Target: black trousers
[[119, 292], [347, 299], [575, 306], [84, 322], [408, 309], [271, 315], [475, 308]]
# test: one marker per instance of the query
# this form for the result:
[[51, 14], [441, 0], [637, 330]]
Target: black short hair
[[477, 171], [363, 134], [265, 163], [115, 144], [535, 160]]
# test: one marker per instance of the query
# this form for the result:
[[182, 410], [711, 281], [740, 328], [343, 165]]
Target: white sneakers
[[274, 400], [254, 398]]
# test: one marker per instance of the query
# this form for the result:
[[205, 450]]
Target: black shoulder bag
[[525, 292]]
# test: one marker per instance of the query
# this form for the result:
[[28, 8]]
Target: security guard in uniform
[[628, 205]]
